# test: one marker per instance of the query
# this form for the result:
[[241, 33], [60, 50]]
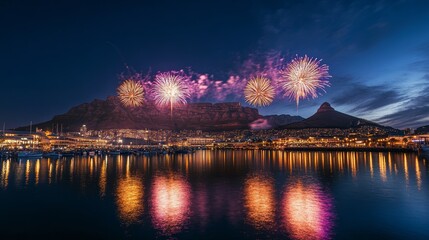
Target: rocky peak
[[325, 107]]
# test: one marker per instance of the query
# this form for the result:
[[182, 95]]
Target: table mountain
[[111, 114]]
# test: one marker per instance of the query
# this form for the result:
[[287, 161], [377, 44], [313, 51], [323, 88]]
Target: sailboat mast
[[32, 137]]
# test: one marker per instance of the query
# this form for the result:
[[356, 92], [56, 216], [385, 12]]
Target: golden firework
[[259, 92], [131, 93]]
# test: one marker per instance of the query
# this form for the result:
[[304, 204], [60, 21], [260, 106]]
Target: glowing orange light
[[259, 201], [130, 199]]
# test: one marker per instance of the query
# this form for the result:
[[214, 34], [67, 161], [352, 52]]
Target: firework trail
[[131, 93], [302, 77], [170, 89], [259, 92]]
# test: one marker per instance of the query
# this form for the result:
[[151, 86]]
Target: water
[[218, 195]]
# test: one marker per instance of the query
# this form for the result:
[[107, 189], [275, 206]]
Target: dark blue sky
[[56, 55]]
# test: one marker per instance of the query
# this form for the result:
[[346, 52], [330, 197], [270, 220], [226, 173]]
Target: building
[[23, 140]]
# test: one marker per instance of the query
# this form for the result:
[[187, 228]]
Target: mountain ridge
[[327, 117], [111, 114]]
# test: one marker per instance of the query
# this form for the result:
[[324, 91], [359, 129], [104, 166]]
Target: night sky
[[58, 54]]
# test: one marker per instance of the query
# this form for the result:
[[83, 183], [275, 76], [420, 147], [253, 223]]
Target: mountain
[[422, 130], [283, 119], [111, 114], [328, 117]]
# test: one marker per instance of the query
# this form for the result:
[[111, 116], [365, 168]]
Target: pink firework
[[303, 77]]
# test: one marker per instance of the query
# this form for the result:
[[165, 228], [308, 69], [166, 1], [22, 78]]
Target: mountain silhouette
[[327, 117]]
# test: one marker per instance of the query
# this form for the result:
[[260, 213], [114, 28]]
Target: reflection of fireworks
[[170, 203], [259, 92], [130, 199], [131, 93], [307, 212], [170, 89], [302, 78]]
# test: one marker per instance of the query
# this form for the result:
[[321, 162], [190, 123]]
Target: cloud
[[420, 65], [260, 124], [414, 113], [412, 117], [365, 98], [422, 98]]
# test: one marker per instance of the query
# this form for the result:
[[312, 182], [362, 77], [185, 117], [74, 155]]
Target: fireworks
[[302, 78], [170, 89], [131, 93], [259, 92]]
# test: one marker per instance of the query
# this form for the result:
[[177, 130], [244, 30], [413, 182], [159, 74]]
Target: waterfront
[[218, 194]]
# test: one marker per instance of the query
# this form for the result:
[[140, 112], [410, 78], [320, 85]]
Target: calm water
[[218, 195]]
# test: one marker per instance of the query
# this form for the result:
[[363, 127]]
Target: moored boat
[[53, 155], [29, 155], [91, 153], [114, 152], [182, 151], [68, 154]]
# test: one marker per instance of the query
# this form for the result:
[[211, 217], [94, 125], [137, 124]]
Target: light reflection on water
[[307, 211], [129, 195], [262, 194], [170, 203], [259, 201]]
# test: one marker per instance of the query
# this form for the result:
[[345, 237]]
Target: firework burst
[[303, 77], [131, 93], [170, 89], [259, 92]]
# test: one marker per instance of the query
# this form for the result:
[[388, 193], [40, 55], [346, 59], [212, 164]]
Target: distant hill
[[328, 117], [422, 130], [111, 114]]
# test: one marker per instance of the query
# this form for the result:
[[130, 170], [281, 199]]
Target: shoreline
[[350, 149]]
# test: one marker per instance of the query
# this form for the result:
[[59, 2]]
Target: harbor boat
[[147, 153], [29, 155], [52, 155], [114, 152], [68, 154], [5, 155], [162, 152], [126, 152], [181, 151]]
